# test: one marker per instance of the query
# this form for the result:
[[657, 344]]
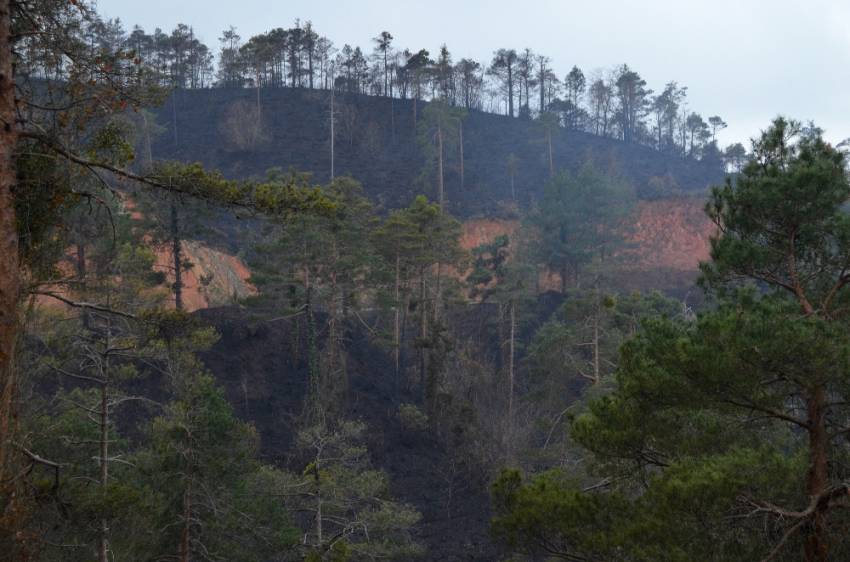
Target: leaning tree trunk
[[9, 265]]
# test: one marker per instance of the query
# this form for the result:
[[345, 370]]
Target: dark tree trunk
[[174, 114], [9, 266], [441, 194], [551, 159], [542, 87], [510, 90], [423, 333], [817, 478], [178, 258], [185, 546], [460, 133], [564, 280], [397, 319], [102, 541]]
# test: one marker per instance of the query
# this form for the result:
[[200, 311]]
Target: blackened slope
[[376, 142], [262, 366]]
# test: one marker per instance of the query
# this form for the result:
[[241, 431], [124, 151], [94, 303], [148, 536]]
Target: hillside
[[376, 143], [263, 367]]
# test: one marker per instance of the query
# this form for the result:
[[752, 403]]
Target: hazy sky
[[745, 60]]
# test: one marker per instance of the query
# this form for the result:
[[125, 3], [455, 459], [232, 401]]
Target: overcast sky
[[745, 60]]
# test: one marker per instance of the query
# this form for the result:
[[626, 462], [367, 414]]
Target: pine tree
[[725, 436], [578, 221]]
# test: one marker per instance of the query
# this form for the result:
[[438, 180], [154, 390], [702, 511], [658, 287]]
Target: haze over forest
[[514, 283]]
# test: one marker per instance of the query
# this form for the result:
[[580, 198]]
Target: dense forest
[[243, 316]]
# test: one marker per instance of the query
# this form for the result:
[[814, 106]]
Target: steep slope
[[667, 240], [377, 143], [263, 368]]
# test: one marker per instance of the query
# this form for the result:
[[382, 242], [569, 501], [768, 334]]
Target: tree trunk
[[438, 293], [396, 325], [319, 531], [259, 114], [564, 280], [511, 374], [460, 132], [174, 114], [185, 547], [177, 257], [440, 165], [817, 478], [423, 332], [551, 161], [542, 87], [520, 96], [82, 274], [386, 74], [510, 91], [313, 361], [403, 335], [332, 131], [9, 266], [148, 146], [596, 373], [103, 542]]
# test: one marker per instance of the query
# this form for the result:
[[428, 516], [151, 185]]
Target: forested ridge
[[613, 103], [378, 388], [502, 161]]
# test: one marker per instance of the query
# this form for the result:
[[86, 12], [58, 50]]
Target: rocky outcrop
[[214, 279]]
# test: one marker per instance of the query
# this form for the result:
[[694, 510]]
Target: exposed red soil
[[672, 234], [215, 278], [668, 239]]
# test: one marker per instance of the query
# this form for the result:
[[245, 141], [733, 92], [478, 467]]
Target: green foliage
[[566, 522], [579, 220], [725, 434], [412, 418], [784, 222], [438, 137], [331, 252], [661, 187], [583, 339], [353, 517], [490, 260], [199, 463], [278, 197], [43, 193]]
